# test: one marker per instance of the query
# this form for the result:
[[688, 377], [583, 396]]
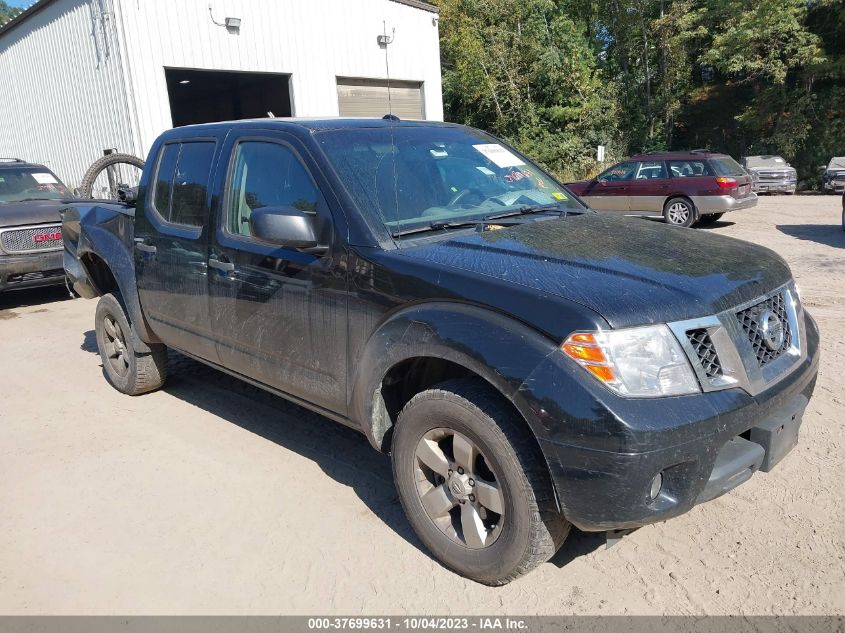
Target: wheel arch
[[431, 343]]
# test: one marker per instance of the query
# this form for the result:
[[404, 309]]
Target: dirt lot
[[211, 497]]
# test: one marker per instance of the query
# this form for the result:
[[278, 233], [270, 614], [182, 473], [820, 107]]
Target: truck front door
[[171, 242], [278, 313]]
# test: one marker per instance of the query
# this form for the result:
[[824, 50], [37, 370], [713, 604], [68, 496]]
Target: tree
[[525, 70], [7, 12]]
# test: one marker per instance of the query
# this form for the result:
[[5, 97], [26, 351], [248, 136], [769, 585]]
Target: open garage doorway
[[206, 96]]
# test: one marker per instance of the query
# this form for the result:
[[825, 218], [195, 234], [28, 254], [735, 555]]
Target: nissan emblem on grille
[[767, 327], [772, 330]]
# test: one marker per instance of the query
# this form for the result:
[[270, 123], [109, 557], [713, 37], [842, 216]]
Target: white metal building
[[81, 77]]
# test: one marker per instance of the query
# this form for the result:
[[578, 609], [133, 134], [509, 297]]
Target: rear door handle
[[228, 267], [143, 247]]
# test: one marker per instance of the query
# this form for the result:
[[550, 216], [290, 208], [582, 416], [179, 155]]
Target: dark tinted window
[[727, 166], [622, 171], [181, 188], [190, 184], [267, 175], [164, 179], [689, 168]]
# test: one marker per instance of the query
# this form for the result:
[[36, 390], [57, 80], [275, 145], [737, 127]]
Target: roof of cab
[[17, 163], [313, 124]]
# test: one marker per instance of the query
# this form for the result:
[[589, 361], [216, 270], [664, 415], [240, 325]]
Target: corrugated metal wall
[[315, 41], [62, 99], [81, 76]]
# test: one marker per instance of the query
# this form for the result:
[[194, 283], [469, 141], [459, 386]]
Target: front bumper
[[835, 186], [777, 186], [703, 445], [31, 271], [722, 204]]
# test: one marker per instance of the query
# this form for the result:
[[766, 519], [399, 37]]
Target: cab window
[[181, 183], [267, 174]]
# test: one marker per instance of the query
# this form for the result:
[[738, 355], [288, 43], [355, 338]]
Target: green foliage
[[7, 12], [559, 77]]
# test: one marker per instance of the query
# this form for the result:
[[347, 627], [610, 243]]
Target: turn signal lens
[[726, 183], [645, 362]]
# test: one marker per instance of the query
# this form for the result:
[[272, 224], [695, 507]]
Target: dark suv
[[683, 187], [31, 197]]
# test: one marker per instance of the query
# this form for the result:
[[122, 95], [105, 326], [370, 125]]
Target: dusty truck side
[[528, 364]]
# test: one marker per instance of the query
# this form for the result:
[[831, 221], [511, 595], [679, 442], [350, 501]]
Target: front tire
[[474, 484], [127, 370], [679, 212]]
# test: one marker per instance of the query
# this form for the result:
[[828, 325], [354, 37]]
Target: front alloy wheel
[[474, 484], [458, 489]]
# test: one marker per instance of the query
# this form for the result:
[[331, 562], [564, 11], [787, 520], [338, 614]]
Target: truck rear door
[[278, 313], [171, 241]]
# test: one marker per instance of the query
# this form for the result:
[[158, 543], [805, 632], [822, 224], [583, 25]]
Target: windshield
[[410, 177], [764, 161], [837, 163], [27, 183]]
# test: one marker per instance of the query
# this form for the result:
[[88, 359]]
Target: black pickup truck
[[528, 364]]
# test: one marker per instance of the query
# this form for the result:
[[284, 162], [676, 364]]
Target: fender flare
[[108, 247], [498, 348]]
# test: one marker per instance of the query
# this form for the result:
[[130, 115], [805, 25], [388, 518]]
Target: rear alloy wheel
[[129, 371], [679, 212], [474, 484]]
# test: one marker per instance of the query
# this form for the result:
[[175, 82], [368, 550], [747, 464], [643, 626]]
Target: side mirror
[[285, 226]]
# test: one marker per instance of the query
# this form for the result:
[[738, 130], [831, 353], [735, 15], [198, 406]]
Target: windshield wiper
[[33, 199], [544, 208], [526, 209]]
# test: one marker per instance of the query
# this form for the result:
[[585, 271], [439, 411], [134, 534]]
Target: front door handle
[[228, 267], [144, 247]]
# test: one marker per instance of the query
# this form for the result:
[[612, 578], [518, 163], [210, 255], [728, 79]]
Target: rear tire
[[126, 370], [679, 212], [711, 218], [476, 444]]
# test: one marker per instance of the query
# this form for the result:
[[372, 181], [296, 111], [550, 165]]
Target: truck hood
[[628, 270], [34, 212]]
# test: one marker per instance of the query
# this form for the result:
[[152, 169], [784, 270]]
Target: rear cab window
[[180, 194]]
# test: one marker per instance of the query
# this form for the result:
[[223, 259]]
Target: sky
[[20, 4]]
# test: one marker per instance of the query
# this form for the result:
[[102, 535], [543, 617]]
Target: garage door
[[368, 98]]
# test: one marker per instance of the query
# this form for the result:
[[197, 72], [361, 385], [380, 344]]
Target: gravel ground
[[211, 497]]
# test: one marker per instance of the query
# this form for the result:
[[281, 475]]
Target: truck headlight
[[643, 362]]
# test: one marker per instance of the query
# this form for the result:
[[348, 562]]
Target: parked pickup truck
[[528, 364]]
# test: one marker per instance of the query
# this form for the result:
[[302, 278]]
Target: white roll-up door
[[369, 98]]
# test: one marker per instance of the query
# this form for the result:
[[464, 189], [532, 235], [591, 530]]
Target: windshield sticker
[[557, 195], [516, 176], [45, 179], [499, 156]]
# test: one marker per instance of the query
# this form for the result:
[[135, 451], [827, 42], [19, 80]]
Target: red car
[[682, 187]]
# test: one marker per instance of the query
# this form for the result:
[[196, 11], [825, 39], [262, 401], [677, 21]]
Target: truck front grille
[[706, 352], [31, 239], [751, 322]]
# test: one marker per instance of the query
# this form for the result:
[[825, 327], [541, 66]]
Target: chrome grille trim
[[20, 240], [748, 319], [737, 357]]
